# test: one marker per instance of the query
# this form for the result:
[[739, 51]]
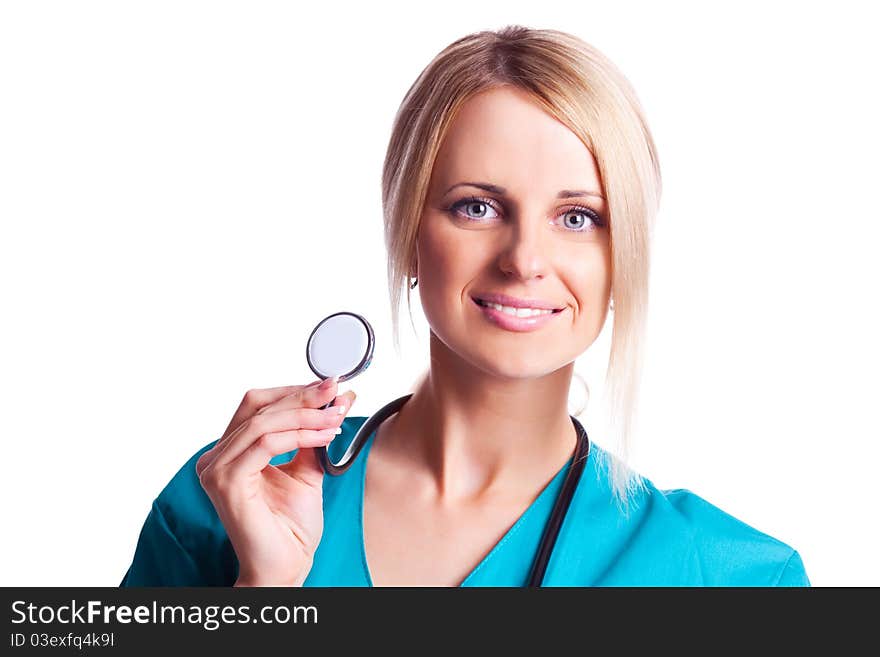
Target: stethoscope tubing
[[360, 438]]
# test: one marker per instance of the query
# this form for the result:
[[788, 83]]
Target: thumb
[[305, 467]]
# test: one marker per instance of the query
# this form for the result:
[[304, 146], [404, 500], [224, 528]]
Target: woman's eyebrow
[[495, 189]]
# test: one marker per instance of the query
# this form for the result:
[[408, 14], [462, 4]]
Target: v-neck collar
[[544, 501]]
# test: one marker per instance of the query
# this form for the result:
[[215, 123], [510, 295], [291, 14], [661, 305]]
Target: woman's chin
[[512, 369]]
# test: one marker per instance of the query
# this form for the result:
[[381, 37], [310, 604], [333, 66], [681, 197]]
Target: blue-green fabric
[[669, 538]]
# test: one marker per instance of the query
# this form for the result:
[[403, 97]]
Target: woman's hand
[[273, 514]]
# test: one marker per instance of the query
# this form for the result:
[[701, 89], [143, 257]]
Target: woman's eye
[[475, 209], [580, 218]]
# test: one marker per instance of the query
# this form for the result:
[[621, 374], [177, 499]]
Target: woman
[[519, 188]]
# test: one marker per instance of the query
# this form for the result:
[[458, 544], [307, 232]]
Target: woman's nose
[[524, 256]]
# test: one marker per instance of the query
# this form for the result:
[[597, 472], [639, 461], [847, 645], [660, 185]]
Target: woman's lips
[[512, 323]]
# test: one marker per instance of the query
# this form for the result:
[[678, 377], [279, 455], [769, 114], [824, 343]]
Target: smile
[[515, 319]]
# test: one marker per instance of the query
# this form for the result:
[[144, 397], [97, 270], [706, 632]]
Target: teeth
[[517, 312]]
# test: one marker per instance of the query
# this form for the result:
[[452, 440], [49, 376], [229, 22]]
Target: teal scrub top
[[669, 538]]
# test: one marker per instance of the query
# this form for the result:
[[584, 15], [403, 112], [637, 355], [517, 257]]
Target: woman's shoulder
[[702, 542], [188, 516], [732, 549], [182, 542]]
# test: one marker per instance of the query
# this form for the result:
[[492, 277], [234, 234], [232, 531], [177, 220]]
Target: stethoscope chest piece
[[340, 345]]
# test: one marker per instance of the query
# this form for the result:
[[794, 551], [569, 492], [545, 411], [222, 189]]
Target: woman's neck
[[475, 434]]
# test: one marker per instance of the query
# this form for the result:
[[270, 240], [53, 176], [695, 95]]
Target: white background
[[186, 188]]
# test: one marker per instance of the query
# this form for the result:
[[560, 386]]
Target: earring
[[611, 306], [414, 283]]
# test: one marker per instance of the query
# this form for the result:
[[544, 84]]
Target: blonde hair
[[585, 91]]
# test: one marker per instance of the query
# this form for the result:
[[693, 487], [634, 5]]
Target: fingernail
[[339, 409], [326, 383]]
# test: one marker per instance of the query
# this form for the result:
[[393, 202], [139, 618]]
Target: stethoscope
[[342, 345]]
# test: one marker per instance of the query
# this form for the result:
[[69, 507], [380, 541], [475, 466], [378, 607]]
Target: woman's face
[[520, 239]]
